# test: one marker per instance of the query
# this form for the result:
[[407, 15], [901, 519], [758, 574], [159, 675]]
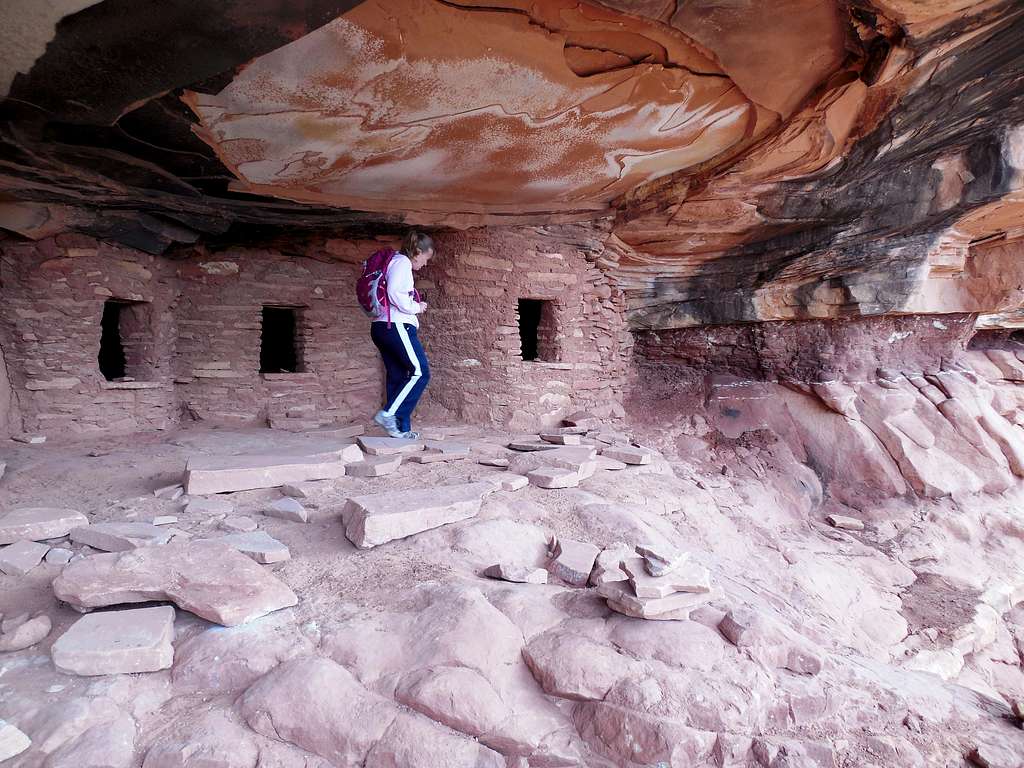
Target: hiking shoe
[[389, 423], [410, 435]]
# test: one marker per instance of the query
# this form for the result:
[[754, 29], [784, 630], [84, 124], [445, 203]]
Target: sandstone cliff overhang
[[740, 160]]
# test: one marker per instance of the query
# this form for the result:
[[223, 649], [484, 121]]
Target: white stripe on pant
[[417, 372]]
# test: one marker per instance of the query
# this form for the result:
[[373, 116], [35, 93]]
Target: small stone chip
[[287, 509], [572, 561], [554, 477], [21, 557], [514, 482], [845, 523], [172, 492], [499, 463], [520, 574], [374, 466], [164, 520], [560, 439], [239, 524], [661, 560], [12, 741]]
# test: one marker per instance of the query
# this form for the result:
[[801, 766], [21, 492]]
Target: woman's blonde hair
[[416, 242]]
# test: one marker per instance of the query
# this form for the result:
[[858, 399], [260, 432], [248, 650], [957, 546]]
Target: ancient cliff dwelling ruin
[[721, 459]]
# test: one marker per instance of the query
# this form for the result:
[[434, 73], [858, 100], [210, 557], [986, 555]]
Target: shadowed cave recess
[[740, 281]]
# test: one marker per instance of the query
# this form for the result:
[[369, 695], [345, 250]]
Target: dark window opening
[[126, 340], [538, 331], [279, 351], [111, 357]]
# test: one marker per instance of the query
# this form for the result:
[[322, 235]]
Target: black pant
[[406, 366]]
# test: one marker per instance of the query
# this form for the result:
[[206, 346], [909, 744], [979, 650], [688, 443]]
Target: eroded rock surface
[[204, 577]]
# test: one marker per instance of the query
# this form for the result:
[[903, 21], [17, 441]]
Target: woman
[[396, 337]]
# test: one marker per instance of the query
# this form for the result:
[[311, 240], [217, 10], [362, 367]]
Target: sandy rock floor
[[403, 655]]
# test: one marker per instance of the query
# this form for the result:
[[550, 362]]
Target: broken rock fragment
[[205, 577], [120, 537], [287, 508], [554, 477], [59, 556], [117, 642], [517, 573], [226, 474], [211, 506], [170, 492], [12, 741], [388, 446], [582, 419], [688, 578], [39, 523], [561, 439], [260, 546], [26, 634], [380, 518], [239, 524], [514, 482], [621, 598], [433, 457], [660, 561], [19, 558], [607, 568], [572, 561], [845, 523], [375, 466], [628, 454]]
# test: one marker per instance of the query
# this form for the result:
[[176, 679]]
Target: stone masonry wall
[[472, 337], [53, 293], [192, 322], [202, 355], [219, 322]]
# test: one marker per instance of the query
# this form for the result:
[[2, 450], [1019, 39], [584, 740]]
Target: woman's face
[[419, 261]]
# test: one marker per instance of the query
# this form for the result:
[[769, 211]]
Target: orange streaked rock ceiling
[[735, 161]]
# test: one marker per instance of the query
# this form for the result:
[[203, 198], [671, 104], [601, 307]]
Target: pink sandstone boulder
[[226, 474], [317, 705], [12, 741], [19, 558], [572, 561], [374, 520], [107, 745], [117, 642], [374, 466], [205, 577], [570, 666], [215, 741], [228, 660], [39, 523], [458, 697], [26, 634], [120, 537]]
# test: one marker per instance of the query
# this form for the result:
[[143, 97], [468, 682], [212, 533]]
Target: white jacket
[[404, 306]]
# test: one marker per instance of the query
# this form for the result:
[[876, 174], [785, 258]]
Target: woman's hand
[[423, 306]]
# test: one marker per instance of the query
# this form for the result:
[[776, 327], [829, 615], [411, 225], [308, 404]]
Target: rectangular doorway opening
[[126, 340], [538, 330], [279, 350]]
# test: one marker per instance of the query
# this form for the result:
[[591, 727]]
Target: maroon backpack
[[372, 285]]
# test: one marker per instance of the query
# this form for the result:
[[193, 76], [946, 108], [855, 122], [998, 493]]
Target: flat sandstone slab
[[205, 577], [259, 545], [120, 537], [227, 474], [374, 520], [21, 557], [39, 523], [388, 446], [117, 642]]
